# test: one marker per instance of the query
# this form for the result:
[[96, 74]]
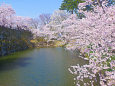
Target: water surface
[[39, 67]]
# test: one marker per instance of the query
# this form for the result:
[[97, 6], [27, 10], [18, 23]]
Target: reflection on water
[[39, 67]]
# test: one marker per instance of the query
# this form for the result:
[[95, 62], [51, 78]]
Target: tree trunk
[[72, 12]]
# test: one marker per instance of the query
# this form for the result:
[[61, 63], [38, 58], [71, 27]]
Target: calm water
[[39, 67]]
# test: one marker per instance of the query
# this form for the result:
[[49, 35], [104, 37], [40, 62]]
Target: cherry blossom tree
[[6, 15], [20, 22], [35, 23], [94, 37], [44, 19], [58, 16], [9, 19]]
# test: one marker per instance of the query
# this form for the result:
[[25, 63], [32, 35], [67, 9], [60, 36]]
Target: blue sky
[[33, 8]]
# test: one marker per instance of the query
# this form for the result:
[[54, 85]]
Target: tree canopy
[[70, 5]]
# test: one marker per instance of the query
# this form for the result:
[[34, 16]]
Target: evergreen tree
[[70, 5]]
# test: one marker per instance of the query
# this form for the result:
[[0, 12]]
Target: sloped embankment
[[12, 40]]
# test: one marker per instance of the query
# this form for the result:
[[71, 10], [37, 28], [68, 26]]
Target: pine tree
[[70, 5]]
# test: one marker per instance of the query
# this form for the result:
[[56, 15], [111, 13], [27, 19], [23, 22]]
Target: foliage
[[58, 16], [12, 40], [94, 36], [44, 19], [70, 5], [6, 15], [10, 20]]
